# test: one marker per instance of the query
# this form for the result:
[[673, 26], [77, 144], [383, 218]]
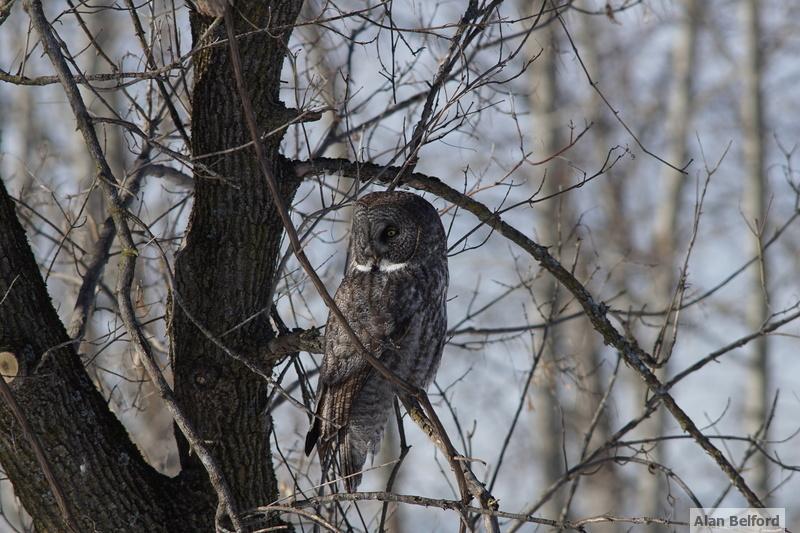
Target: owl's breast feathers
[[401, 318]]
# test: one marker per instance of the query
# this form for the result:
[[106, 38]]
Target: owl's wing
[[330, 429], [345, 373], [341, 380]]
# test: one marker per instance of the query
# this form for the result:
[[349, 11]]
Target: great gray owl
[[394, 296]]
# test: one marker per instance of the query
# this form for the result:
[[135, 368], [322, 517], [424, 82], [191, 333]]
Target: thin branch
[[453, 505], [616, 113], [160, 81], [738, 343], [439, 437], [97, 257]]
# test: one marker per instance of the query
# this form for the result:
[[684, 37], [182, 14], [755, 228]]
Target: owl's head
[[392, 230]]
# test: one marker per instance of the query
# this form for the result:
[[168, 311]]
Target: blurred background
[[651, 145]]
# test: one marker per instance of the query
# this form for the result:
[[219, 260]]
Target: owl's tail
[[313, 436], [351, 460], [341, 448], [350, 455]]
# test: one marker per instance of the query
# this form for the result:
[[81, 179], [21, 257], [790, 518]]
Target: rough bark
[[225, 270], [107, 484]]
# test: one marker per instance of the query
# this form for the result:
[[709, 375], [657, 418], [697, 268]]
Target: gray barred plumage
[[394, 297]]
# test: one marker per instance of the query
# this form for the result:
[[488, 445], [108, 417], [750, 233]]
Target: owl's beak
[[374, 252], [376, 259]]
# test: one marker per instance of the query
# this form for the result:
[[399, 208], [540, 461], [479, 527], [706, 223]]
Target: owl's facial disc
[[379, 251], [384, 240]]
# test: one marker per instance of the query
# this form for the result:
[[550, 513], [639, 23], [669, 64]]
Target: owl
[[394, 297]]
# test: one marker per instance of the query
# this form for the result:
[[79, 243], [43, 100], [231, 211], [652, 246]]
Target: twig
[[587, 437], [475, 487], [616, 113], [41, 458], [97, 257], [314, 517], [160, 82], [738, 343], [455, 51], [522, 397], [404, 448]]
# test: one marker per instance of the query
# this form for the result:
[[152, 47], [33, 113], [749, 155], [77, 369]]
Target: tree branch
[[577, 525], [97, 256], [636, 358]]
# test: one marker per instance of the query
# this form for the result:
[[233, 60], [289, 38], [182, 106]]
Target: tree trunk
[[754, 206], [546, 133], [225, 271], [653, 498], [224, 275]]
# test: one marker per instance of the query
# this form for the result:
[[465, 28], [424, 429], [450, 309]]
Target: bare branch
[[636, 358]]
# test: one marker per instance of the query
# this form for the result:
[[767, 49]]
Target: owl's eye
[[390, 232]]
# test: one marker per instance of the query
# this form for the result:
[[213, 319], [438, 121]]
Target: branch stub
[[9, 367]]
